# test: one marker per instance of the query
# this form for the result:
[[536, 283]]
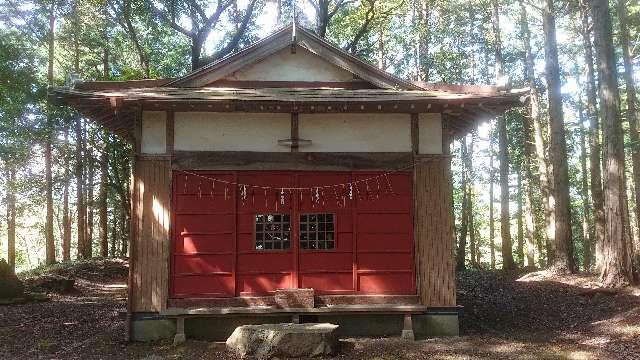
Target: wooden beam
[[170, 131], [295, 132], [415, 133], [246, 160]]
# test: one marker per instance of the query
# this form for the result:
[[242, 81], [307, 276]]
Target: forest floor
[[506, 316]]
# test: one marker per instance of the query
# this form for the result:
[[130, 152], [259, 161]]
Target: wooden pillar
[[434, 237], [150, 228], [152, 198]]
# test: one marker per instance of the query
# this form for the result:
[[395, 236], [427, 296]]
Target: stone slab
[[284, 340], [295, 298]]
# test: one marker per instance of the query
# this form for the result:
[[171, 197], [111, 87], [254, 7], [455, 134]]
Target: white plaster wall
[[285, 66], [210, 131], [356, 132], [430, 133], [154, 136]]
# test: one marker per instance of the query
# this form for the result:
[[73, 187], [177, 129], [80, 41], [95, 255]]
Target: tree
[[66, 218], [632, 103], [325, 11], [492, 244], [121, 11], [597, 196], [466, 209], [561, 247], [50, 246], [103, 231], [544, 172], [505, 215], [202, 24], [616, 264], [587, 228], [11, 216], [520, 221], [16, 131], [473, 250]]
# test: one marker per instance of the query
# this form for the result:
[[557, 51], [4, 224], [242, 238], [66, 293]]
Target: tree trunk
[[616, 264], [597, 196], [544, 172], [113, 251], [464, 212], [80, 205], [382, 65], [196, 51], [492, 231], [66, 220], [102, 202], [50, 246], [587, 228], [124, 234], [561, 248], [520, 245], [89, 199], [529, 218], [11, 218], [471, 223], [505, 228], [632, 101], [505, 215]]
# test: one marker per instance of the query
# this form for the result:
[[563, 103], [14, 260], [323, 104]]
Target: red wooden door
[[232, 240]]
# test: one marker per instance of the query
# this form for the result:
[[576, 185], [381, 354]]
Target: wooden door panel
[[214, 245]]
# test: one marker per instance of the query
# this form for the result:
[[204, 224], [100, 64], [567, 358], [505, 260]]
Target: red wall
[[213, 251]]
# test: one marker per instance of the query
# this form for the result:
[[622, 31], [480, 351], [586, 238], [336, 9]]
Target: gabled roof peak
[[291, 35]]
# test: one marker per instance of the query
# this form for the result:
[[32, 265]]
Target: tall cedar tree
[[103, 233], [505, 216], [587, 226], [492, 226], [66, 218], [10, 183], [632, 103], [616, 265], [538, 138], [464, 212], [561, 248], [520, 226], [50, 246], [595, 151], [471, 223], [81, 210]]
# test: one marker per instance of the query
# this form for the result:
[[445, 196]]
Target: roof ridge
[[305, 38]]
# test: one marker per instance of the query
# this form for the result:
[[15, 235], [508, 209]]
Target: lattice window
[[317, 231], [273, 231]]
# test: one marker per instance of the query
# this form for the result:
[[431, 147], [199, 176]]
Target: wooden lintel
[[246, 160], [295, 107]]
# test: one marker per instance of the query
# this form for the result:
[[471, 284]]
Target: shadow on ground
[[539, 317]]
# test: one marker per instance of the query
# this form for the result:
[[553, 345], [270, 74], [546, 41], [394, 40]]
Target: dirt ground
[[506, 316]]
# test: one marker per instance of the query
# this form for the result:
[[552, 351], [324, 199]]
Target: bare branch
[[171, 22], [364, 28], [233, 43]]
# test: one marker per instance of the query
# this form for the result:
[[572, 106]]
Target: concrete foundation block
[[436, 325], [152, 329]]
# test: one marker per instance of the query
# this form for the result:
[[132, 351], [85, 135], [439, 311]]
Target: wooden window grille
[[317, 231], [273, 231]]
